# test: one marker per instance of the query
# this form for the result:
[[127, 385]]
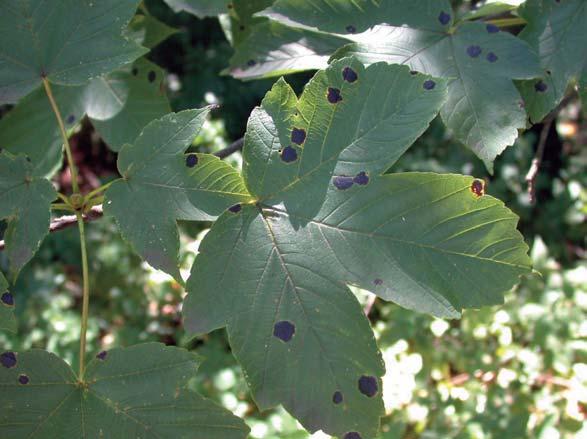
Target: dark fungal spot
[[102, 355], [28, 159], [241, 27], [413, 72], [135, 71], [352, 435], [23, 379], [251, 63], [429, 85], [492, 28], [378, 282], [337, 397], [478, 187], [152, 76], [236, 208], [349, 75], [298, 136], [491, 57], [341, 182], [361, 178], [70, 119], [289, 154], [540, 87], [334, 96], [8, 359], [351, 29], [8, 299], [474, 51], [444, 18], [284, 330], [368, 386], [191, 160]]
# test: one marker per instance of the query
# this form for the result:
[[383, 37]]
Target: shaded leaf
[[161, 185], [147, 31], [557, 31], [25, 203], [7, 319], [325, 219], [66, 41], [137, 392]]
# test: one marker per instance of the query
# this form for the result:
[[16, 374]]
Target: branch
[[231, 149], [66, 221]]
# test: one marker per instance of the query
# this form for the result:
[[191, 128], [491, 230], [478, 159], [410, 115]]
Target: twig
[[231, 149], [66, 221]]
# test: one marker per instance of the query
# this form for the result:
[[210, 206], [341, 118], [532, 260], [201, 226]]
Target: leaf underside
[[324, 219], [7, 319], [137, 392]]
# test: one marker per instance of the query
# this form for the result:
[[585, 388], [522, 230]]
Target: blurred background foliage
[[515, 371]]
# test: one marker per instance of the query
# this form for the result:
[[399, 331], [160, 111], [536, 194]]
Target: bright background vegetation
[[506, 372]]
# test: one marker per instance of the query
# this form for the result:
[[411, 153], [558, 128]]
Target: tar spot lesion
[[492, 28], [349, 75], [337, 397], [284, 330], [351, 29], [251, 63], [7, 299], [70, 119], [492, 57], [378, 282], [540, 86], [102, 355], [235, 209], [478, 187], [8, 360], [342, 182], [444, 18], [361, 178], [474, 51], [368, 386], [298, 136], [152, 76], [289, 154], [191, 160], [333, 95], [352, 435], [23, 379], [429, 84], [135, 71]]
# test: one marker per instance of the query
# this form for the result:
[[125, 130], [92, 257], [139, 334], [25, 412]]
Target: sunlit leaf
[[66, 41], [160, 185], [137, 392]]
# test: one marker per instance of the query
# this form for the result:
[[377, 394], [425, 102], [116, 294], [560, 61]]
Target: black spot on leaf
[[368, 386], [102, 355], [413, 72], [474, 51], [298, 136], [444, 18], [70, 119], [334, 96], [540, 87], [191, 160], [8, 359], [135, 71], [289, 154], [337, 397], [284, 330], [491, 57], [251, 63], [23, 379], [478, 187], [378, 282], [352, 435], [236, 208], [351, 29], [492, 28], [349, 75], [8, 299], [342, 182], [361, 179], [429, 85], [152, 76]]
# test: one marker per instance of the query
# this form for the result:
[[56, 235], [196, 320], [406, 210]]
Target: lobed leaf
[[325, 218], [161, 185], [7, 319], [66, 41], [25, 202], [557, 31], [137, 392]]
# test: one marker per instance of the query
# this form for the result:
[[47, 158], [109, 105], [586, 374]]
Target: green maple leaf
[[324, 218], [138, 392], [25, 203], [67, 42], [7, 319], [484, 109], [557, 31], [161, 185], [119, 105]]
